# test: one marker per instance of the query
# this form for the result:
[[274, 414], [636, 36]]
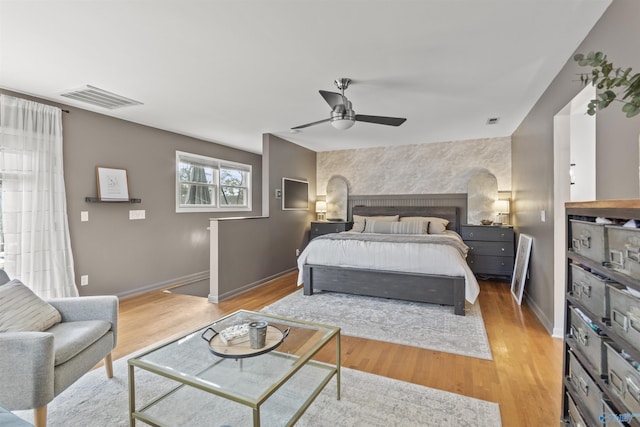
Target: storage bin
[[625, 315], [611, 418], [588, 343], [624, 250], [588, 239], [575, 417], [624, 379], [585, 389], [591, 291]]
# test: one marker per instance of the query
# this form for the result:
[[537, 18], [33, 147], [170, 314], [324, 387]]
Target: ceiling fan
[[342, 114]]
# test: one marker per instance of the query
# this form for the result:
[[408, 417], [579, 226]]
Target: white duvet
[[409, 256]]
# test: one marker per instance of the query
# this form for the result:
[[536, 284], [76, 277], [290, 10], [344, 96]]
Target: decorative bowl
[[486, 222]]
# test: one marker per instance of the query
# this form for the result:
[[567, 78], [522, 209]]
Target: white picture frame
[[523, 253], [113, 185]]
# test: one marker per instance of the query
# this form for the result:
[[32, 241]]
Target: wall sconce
[[502, 208], [321, 210]]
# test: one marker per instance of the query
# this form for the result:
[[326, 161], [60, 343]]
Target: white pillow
[[359, 220], [436, 225], [388, 227], [22, 310]]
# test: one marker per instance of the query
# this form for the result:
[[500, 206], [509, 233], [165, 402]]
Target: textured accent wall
[[443, 167]]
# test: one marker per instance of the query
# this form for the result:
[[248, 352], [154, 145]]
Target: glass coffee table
[[192, 381]]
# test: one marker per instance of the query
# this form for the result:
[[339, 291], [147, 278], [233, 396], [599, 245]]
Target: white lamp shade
[[321, 206], [502, 206]]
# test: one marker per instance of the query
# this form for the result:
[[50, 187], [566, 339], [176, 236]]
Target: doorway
[[574, 177]]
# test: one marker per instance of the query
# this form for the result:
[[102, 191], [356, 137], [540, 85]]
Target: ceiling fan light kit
[[342, 114]]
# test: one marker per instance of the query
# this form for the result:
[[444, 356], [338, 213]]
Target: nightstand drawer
[[490, 248], [487, 232], [490, 265], [329, 227]]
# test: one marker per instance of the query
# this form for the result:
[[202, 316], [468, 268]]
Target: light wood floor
[[524, 376]]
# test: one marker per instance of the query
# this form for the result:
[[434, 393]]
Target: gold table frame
[[192, 380]]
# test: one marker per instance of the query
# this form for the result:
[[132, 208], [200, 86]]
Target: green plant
[[613, 84]]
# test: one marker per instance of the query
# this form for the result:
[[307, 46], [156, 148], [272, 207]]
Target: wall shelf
[[97, 200]]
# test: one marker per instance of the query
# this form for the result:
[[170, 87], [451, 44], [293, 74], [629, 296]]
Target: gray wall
[[254, 250], [122, 256], [616, 34]]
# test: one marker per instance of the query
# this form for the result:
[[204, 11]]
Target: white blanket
[[415, 255]]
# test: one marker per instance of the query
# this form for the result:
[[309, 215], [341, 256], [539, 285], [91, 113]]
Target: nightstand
[[491, 249], [318, 228]]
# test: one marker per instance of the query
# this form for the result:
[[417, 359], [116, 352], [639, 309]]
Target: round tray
[[241, 350]]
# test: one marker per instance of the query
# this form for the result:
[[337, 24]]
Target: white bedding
[[417, 257]]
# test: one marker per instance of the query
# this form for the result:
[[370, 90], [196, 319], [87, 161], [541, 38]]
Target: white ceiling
[[228, 71]]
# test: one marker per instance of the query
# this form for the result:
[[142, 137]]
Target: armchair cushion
[[71, 338], [22, 310]]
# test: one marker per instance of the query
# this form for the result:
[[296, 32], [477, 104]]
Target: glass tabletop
[[190, 360]]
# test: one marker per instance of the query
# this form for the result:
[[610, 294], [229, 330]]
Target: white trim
[[216, 164]]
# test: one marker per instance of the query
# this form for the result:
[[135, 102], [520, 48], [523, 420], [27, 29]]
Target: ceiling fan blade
[[332, 98], [381, 120], [311, 124]]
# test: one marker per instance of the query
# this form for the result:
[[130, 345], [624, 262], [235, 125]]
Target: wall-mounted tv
[[295, 194]]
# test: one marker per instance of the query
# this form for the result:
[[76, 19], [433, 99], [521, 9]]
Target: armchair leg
[[108, 365], [40, 416]]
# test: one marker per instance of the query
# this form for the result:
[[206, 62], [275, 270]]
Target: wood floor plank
[[524, 376]]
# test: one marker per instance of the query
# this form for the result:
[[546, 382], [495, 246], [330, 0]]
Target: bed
[[382, 266]]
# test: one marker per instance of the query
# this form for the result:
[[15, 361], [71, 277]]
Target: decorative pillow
[[388, 227], [22, 310], [436, 225], [359, 220]]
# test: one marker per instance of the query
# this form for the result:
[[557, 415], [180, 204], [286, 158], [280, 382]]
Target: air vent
[[100, 98], [492, 120]]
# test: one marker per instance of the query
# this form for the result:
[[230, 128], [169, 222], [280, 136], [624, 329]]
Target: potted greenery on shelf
[[613, 84]]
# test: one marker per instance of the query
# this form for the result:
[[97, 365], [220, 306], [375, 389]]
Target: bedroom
[[161, 258]]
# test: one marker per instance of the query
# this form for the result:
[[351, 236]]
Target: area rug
[[366, 400], [429, 326]]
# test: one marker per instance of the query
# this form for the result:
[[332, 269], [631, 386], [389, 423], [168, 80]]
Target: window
[[205, 184]]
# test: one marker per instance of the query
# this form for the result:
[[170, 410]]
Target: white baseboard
[[167, 284], [248, 287]]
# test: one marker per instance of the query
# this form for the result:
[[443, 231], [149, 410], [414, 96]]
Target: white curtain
[[34, 207]]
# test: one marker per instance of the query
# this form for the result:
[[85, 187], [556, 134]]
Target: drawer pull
[[584, 387], [616, 382], [501, 234], [582, 337], [585, 241], [471, 234], [634, 390], [620, 319], [502, 249], [632, 253], [616, 258]]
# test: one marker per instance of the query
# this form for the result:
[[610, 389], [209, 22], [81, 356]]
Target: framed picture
[[520, 268], [113, 185]]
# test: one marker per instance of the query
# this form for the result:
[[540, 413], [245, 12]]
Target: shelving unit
[[596, 387], [97, 200]]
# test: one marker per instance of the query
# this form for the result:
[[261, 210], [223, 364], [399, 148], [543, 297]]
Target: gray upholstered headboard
[[450, 213]]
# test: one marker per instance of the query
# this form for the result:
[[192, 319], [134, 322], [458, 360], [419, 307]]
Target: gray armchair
[[37, 366]]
